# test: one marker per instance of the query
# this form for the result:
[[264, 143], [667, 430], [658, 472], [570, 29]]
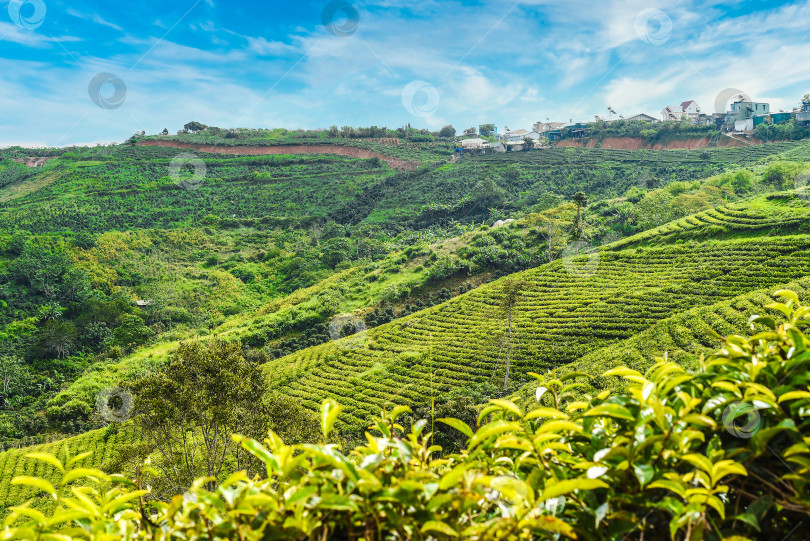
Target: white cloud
[[14, 34], [544, 59], [94, 17]]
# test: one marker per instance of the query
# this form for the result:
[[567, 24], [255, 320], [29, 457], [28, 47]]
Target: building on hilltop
[[743, 109], [515, 135], [741, 114], [644, 117], [689, 110], [803, 114], [542, 127], [475, 143]]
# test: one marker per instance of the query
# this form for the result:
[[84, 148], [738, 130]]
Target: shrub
[[709, 453], [742, 181], [780, 175]]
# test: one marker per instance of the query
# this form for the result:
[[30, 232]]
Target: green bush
[[780, 175], [705, 454]]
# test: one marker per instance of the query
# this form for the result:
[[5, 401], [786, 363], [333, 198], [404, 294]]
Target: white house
[[688, 109], [473, 143], [514, 135], [518, 136], [541, 127], [744, 125], [644, 117]]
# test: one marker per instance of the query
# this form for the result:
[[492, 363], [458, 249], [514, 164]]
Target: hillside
[[563, 311], [433, 350], [280, 251], [682, 338]]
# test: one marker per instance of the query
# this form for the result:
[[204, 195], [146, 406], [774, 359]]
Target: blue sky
[[389, 62]]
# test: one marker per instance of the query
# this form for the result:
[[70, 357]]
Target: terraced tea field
[[563, 312], [132, 188], [682, 337], [796, 150], [777, 214], [104, 445]]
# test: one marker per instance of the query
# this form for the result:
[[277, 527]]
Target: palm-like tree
[[581, 201]]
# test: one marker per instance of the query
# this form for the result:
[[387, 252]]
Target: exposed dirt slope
[[286, 149], [637, 143], [33, 162]]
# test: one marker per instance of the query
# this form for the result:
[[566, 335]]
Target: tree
[[486, 130], [40, 268], [742, 181], [18, 242], [510, 291], [780, 175], [447, 131], [335, 250], [13, 373], [553, 226], [470, 131], [581, 201], [132, 332], [489, 193], [165, 131], [188, 410], [57, 338], [194, 126]]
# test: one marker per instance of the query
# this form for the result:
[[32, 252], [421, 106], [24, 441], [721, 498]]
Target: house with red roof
[[688, 109]]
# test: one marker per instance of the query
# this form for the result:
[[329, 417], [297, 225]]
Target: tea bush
[[712, 453]]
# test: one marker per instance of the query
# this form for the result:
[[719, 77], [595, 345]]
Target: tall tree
[[510, 292], [581, 201], [13, 373], [188, 411], [194, 126], [447, 131], [486, 129], [553, 226]]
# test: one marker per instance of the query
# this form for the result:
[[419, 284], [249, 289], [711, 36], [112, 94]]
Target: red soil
[[354, 152], [637, 143], [32, 162]]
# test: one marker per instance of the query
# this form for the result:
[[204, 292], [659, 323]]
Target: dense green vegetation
[[562, 312], [678, 453], [319, 276]]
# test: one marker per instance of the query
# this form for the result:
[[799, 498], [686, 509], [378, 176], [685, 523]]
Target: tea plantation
[[108, 264]]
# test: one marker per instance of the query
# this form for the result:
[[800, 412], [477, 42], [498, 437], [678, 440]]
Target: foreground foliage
[[679, 454]]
